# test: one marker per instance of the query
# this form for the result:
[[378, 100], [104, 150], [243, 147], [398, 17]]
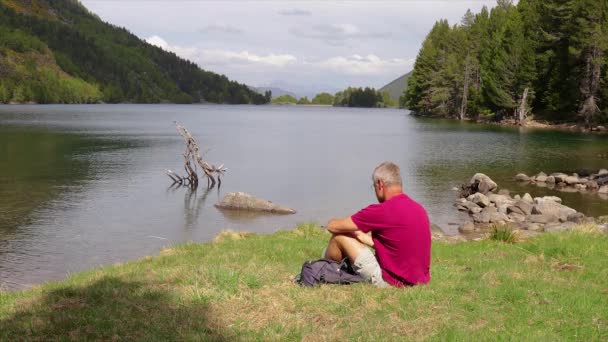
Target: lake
[[84, 185]]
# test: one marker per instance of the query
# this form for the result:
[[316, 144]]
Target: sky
[[302, 46]]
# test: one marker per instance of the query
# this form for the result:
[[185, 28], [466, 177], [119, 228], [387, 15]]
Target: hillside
[[59, 52], [396, 88]]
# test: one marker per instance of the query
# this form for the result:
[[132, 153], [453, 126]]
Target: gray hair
[[388, 173]]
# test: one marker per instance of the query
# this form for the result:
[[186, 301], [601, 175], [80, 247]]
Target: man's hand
[[365, 239]]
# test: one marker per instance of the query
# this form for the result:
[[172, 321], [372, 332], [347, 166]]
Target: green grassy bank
[[554, 286]]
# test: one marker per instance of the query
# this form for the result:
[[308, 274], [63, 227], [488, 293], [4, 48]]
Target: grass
[[503, 233], [552, 287]]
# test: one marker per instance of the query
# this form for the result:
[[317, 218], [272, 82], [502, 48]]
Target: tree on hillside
[[323, 99], [549, 56], [303, 101], [285, 99]]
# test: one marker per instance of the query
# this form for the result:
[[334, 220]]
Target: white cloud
[[184, 52], [365, 65], [205, 57], [336, 34], [215, 28], [216, 56], [296, 12]]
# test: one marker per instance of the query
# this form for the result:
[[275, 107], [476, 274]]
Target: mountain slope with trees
[[543, 57], [396, 87], [58, 52]]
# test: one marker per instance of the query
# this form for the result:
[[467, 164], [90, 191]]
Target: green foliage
[[285, 99], [303, 101], [558, 49], [359, 97], [323, 99], [123, 66]]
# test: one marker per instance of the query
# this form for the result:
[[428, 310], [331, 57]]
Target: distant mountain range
[[276, 91], [57, 51], [397, 87]]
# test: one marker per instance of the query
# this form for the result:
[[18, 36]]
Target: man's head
[[387, 181]]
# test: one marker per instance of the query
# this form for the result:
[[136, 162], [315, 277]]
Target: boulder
[[490, 215], [559, 227], [504, 192], [571, 180], [549, 207], [517, 217], [602, 172], [603, 189], [247, 202], [559, 177], [550, 180], [500, 199], [503, 208], [580, 187], [517, 197], [553, 198], [576, 218], [527, 198], [592, 185], [541, 177], [475, 210], [479, 199], [483, 183], [534, 227], [538, 218], [520, 207], [467, 227], [522, 177]]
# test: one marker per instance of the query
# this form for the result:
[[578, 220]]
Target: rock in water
[[483, 183], [247, 202]]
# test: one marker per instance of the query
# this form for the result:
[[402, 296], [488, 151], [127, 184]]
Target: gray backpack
[[325, 271]]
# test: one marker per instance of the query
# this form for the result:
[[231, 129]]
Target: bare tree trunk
[[590, 84], [192, 159], [465, 91], [522, 111]]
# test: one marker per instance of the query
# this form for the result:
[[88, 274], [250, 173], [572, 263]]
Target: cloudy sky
[[302, 46]]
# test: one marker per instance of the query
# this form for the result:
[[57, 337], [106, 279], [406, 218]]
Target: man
[[400, 234]]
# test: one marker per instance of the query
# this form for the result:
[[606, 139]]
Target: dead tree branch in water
[[192, 161]]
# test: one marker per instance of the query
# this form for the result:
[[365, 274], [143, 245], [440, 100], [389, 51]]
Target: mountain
[[396, 88], [276, 91], [56, 51]]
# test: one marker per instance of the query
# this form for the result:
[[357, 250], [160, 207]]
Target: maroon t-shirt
[[402, 239]]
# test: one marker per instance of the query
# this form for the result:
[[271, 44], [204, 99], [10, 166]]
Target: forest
[[58, 52], [362, 97], [542, 58]]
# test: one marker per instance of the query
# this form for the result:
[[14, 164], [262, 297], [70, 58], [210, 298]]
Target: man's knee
[[349, 245]]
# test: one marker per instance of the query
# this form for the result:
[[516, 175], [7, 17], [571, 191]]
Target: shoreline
[[538, 124]]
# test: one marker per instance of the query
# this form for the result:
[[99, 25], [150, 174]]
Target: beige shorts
[[366, 265]]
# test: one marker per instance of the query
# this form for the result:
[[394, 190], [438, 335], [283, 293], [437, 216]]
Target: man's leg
[[344, 246]]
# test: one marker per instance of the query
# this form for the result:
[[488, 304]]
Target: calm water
[[83, 186]]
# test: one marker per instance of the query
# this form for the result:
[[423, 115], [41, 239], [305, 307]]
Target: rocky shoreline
[[488, 209], [584, 181]]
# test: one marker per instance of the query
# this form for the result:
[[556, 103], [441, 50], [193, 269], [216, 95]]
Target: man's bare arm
[[341, 226], [347, 226]]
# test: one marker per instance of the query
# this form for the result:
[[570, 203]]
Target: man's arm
[[341, 226], [346, 226]]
